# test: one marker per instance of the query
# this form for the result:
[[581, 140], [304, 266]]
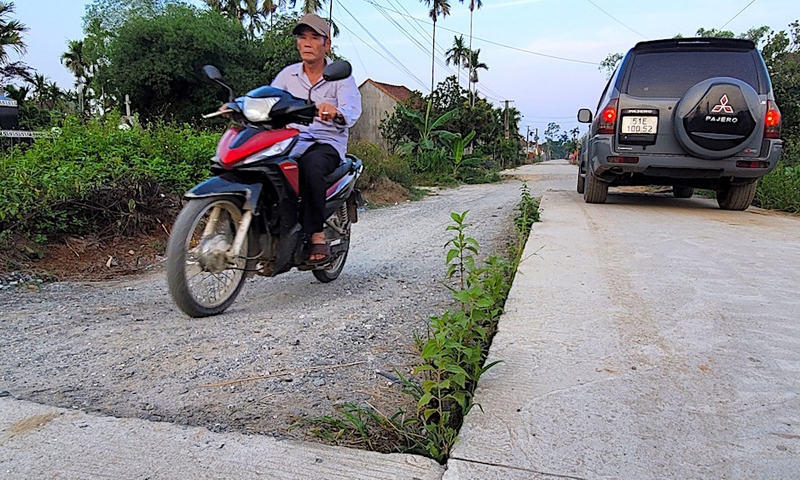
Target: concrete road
[[649, 337]]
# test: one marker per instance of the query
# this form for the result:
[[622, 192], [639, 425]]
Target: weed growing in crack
[[452, 356]]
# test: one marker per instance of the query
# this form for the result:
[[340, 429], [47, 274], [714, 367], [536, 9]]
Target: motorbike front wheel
[[203, 279]]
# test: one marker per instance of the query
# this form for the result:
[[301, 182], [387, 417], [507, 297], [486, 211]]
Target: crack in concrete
[[521, 469]]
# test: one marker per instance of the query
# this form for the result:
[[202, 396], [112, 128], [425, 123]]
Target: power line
[[394, 62], [398, 62], [616, 19], [495, 94], [416, 42], [740, 12], [571, 117], [555, 57], [414, 25], [385, 12], [485, 94], [548, 123], [357, 54]]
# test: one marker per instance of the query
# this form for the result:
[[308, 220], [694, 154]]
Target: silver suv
[[687, 112]]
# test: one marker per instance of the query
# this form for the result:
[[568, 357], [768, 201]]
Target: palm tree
[[475, 64], [247, 12], [312, 6], [457, 55], [473, 4], [269, 7], [39, 86], [309, 6], [10, 32], [75, 62], [439, 8], [53, 95], [17, 93]]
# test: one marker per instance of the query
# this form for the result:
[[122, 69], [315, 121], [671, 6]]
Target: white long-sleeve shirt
[[342, 94]]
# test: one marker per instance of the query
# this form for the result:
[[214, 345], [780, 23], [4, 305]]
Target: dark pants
[[318, 161]]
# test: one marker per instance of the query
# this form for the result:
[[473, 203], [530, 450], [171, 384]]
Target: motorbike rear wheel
[[202, 280], [331, 271]]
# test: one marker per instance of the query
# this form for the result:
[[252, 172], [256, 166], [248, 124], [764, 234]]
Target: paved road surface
[[646, 338]]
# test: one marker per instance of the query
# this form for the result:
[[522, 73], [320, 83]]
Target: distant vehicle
[[687, 112]]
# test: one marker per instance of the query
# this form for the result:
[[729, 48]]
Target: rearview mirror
[[212, 72], [338, 70], [585, 115]]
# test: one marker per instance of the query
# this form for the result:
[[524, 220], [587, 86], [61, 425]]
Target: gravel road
[[122, 348]]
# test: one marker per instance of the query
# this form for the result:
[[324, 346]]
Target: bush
[[432, 162], [379, 164], [92, 176], [780, 190]]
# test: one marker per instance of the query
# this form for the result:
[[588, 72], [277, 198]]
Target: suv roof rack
[[696, 43]]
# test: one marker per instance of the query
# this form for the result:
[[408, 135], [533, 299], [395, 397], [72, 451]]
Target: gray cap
[[314, 22]]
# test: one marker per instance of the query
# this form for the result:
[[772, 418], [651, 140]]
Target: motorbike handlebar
[[216, 114]]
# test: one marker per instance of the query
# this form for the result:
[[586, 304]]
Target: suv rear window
[[671, 74]]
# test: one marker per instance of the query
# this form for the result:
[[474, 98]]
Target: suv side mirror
[[585, 115], [338, 70]]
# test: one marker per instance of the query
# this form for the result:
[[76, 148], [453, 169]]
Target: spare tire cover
[[717, 117]]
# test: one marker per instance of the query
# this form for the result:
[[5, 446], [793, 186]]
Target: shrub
[[780, 190], [379, 164], [432, 162], [77, 181]]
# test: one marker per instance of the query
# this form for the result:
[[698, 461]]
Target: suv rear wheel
[[596, 191], [736, 197], [680, 191]]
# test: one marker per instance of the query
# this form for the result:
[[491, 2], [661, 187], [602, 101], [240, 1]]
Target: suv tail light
[[607, 121], [772, 121]]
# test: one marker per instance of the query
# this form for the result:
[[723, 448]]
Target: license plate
[[640, 125]]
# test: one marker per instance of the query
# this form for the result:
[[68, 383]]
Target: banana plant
[[457, 147], [427, 128]]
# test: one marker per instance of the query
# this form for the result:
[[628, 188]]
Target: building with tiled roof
[[378, 101]]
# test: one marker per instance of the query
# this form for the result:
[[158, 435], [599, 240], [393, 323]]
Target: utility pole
[[505, 121], [528, 142]]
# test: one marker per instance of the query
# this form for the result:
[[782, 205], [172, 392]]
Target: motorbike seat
[[350, 164]]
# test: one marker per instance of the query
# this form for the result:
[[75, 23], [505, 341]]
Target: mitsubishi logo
[[723, 106]]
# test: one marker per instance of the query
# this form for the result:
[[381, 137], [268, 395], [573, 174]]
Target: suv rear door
[[659, 74]]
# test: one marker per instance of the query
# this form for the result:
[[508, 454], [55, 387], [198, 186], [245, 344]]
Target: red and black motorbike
[[245, 219]]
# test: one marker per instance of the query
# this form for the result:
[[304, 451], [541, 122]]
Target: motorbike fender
[[228, 185], [354, 202]]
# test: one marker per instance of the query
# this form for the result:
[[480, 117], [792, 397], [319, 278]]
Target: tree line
[[152, 51]]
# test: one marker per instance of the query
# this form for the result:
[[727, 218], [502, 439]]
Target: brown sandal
[[319, 249]]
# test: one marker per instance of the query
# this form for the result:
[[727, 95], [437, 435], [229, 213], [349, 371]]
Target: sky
[[545, 89]]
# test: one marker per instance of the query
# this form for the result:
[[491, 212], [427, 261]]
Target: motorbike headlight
[[276, 149], [257, 109]]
